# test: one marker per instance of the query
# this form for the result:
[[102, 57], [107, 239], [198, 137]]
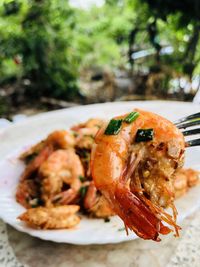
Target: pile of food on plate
[[131, 166]]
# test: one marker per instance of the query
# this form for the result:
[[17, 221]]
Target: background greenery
[[45, 46]]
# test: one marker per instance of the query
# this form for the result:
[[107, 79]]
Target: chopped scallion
[[82, 178], [121, 229], [144, 135], [113, 127], [131, 117], [83, 191], [31, 157]]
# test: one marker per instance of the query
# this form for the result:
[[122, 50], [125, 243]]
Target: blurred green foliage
[[183, 20], [35, 44], [45, 44]]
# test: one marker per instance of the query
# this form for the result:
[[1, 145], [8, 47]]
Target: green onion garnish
[[113, 127], [131, 117], [121, 229], [31, 157], [144, 135], [82, 178], [83, 191]]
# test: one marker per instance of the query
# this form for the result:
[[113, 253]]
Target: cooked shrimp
[[61, 139], [62, 168], [36, 162], [180, 184], [90, 127], [41, 152], [184, 179], [136, 175], [101, 208], [96, 204], [58, 139], [85, 133], [51, 218], [84, 139], [192, 177], [28, 188], [27, 193]]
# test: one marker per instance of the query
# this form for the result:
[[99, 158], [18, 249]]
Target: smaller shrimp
[[27, 193], [184, 179], [96, 204], [62, 168], [84, 138], [57, 139], [90, 127], [180, 184], [36, 162], [61, 139], [59, 217], [192, 177], [86, 132]]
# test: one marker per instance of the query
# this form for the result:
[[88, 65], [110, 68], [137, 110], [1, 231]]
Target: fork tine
[[190, 117], [191, 132], [195, 142], [190, 121], [188, 124]]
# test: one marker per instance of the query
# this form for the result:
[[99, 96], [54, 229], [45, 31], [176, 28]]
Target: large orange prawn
[[133, 164]]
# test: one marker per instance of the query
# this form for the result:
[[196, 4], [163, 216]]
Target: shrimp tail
[[137, 216], [36, 162]]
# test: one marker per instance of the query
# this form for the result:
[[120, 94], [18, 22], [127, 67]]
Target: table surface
[[170, 252]]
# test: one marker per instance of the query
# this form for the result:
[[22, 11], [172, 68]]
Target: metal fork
[[188, 122]]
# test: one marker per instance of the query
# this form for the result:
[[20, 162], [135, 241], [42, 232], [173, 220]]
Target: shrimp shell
[[117, 165], [62, 167], [58, 139], [60, 217]]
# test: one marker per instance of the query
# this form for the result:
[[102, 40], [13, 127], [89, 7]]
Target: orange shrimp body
[[137, 177], [63, 167]]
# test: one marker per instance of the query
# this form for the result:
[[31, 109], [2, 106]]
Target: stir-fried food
[[136, 161], [51, 218], [62, 168], [184, 179], [96, 204], [56, 140]]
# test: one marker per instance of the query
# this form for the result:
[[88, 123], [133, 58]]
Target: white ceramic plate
[[90, 231]]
